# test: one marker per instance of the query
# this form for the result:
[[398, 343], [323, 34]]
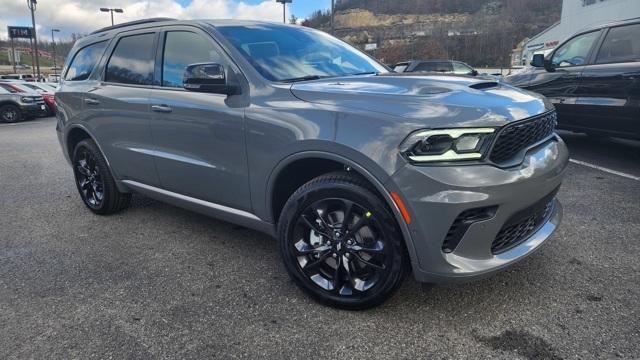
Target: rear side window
[[132, 60], [84, 62], [622, 44]]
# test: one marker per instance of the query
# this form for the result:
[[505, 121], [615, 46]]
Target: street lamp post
[[31, 4], [53, 43], [112, 10], [284, 9], [333, 26]]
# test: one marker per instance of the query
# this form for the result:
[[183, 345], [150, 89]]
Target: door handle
[[91, 101], [161, 108]]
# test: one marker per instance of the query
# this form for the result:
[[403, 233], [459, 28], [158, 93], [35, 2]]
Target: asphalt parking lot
[[159, 282]]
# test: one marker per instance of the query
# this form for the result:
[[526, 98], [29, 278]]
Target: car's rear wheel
[[95, 184], [10, 113], [340, 243]]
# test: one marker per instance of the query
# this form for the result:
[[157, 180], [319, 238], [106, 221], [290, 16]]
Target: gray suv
[[361, 174]]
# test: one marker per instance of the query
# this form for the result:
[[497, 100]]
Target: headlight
[[25, 99], [447, 144]]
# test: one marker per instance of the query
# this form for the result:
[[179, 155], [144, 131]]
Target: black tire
[[10, 113], [95, 184], [354, 267]]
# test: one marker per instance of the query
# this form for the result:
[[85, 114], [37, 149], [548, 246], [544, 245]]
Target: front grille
[[462, 223], [512, 139], [523, 224]]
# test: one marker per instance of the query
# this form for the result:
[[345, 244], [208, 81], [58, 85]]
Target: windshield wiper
[[365, 73], [304, 78]]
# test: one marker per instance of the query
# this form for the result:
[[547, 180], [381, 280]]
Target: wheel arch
[[376, 178], [76, 133]]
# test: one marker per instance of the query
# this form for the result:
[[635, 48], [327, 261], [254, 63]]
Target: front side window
[[622, 44], [85, 60], [576, 51], [182, 48], [296, 53], [461, 69], [132, 61]]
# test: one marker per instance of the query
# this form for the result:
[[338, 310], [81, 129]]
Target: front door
[[610, 100], [199, 137], [562, 86]]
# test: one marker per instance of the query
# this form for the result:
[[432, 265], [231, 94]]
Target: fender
[[376, 182], [121, 187]]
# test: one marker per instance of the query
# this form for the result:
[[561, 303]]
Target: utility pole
[[32, 6], [333, 9], [284, 9], [53, 43]]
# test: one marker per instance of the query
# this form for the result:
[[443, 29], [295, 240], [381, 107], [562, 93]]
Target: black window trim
[[159, 59], [603, 38], [95, 66], [115, 41]]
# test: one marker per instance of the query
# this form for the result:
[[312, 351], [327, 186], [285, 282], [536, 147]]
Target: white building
[[577, 15]]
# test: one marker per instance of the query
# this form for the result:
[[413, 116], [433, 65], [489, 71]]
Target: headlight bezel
[[411, 151]]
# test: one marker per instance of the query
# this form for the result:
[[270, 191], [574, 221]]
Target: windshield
[[287, 53]]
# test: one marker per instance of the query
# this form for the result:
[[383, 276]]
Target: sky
[[83, 16]]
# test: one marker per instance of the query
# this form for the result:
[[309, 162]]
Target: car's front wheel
[[340, 243], [95, 184], [9, 113]]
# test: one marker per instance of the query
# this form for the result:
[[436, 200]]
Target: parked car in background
[[23, 77], [24, 89], [439, 66], [361, 174], [593, 79], [16, 106], [47, 91], [53, 78]]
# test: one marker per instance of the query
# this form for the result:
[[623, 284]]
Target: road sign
[[20, 32], [284, 1]]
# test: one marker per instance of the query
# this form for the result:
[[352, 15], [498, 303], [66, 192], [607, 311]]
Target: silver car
[[363, 175]]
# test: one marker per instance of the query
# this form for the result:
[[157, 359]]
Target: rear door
[[610, 100], [562, 86], [117, 106], [199, 137]]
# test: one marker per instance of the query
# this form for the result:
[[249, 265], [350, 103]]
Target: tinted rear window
[[85, 60], [622, 44], [434, 66], [132, 60]]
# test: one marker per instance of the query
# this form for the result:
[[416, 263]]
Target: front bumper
[[34, 109], [437, 195]]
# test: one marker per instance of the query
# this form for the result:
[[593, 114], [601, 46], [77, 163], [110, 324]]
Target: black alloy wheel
[[340, 242], [89, 179], [95, 184]]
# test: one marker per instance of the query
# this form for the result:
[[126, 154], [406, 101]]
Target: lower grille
[[523, 224]]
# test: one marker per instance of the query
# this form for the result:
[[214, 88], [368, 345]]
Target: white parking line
[[21, 123], [610, 171]]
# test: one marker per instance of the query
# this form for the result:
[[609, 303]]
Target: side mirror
[[208, 77], [537, 61], [474, 73]]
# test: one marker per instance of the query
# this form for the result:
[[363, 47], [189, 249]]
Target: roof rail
[[131, 23]]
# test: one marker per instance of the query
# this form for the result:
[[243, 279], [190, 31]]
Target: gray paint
[[221, 155]]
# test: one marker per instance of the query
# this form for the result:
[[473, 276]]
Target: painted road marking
[[601, 168]]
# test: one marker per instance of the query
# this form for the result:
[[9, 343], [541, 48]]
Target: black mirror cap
[[208, 77], [537, 61], [474, 73]]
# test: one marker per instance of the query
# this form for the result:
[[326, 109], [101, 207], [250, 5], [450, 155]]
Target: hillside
[[480, 32]]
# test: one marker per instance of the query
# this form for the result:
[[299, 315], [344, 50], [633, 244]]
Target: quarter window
[[576, 51], [132, 61], [622, 44], [183, 48], [85, 60]]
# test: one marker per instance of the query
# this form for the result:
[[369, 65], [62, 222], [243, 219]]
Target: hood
[[434, 100]]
